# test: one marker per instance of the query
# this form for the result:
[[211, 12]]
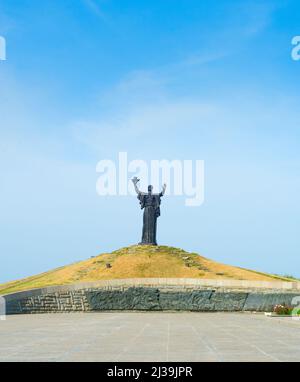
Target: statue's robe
[[151, 205]]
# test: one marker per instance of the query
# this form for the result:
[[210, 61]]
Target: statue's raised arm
[[163, 189], [135, 181]]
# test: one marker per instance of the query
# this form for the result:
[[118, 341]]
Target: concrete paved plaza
[[149, 336]]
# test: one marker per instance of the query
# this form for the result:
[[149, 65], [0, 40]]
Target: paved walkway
[[149, 337]]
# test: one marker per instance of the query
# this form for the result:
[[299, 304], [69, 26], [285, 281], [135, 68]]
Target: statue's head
[[150, 188]]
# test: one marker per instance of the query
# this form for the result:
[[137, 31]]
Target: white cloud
[[149, 119], [95, 8]]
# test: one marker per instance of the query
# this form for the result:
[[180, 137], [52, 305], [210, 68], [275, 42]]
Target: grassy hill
[[136, 262]]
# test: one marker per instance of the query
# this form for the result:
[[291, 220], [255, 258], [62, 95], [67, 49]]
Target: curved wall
[[155, 294]]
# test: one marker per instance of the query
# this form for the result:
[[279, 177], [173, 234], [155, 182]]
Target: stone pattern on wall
[[144, 298], [266, 301], [68, 301]]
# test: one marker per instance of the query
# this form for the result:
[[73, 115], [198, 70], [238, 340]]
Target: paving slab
[[149, 336]]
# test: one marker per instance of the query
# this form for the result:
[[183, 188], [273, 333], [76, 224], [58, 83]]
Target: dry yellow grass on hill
[[138, 262]]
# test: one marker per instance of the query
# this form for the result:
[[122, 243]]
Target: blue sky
[[174, 79]]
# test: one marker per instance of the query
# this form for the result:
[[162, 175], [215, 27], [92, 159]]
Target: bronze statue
[[150, 203]]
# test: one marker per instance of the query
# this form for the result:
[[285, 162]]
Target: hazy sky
[[172, 79]]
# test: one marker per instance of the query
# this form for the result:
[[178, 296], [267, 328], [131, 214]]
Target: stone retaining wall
[[140, 295]]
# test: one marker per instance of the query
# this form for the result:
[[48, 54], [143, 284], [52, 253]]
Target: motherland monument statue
[[151, 204]]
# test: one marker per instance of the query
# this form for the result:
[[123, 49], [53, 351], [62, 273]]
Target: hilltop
[[137, 262]]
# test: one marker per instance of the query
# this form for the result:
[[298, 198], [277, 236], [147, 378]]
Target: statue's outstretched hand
[[135, 181], [164, 188]]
